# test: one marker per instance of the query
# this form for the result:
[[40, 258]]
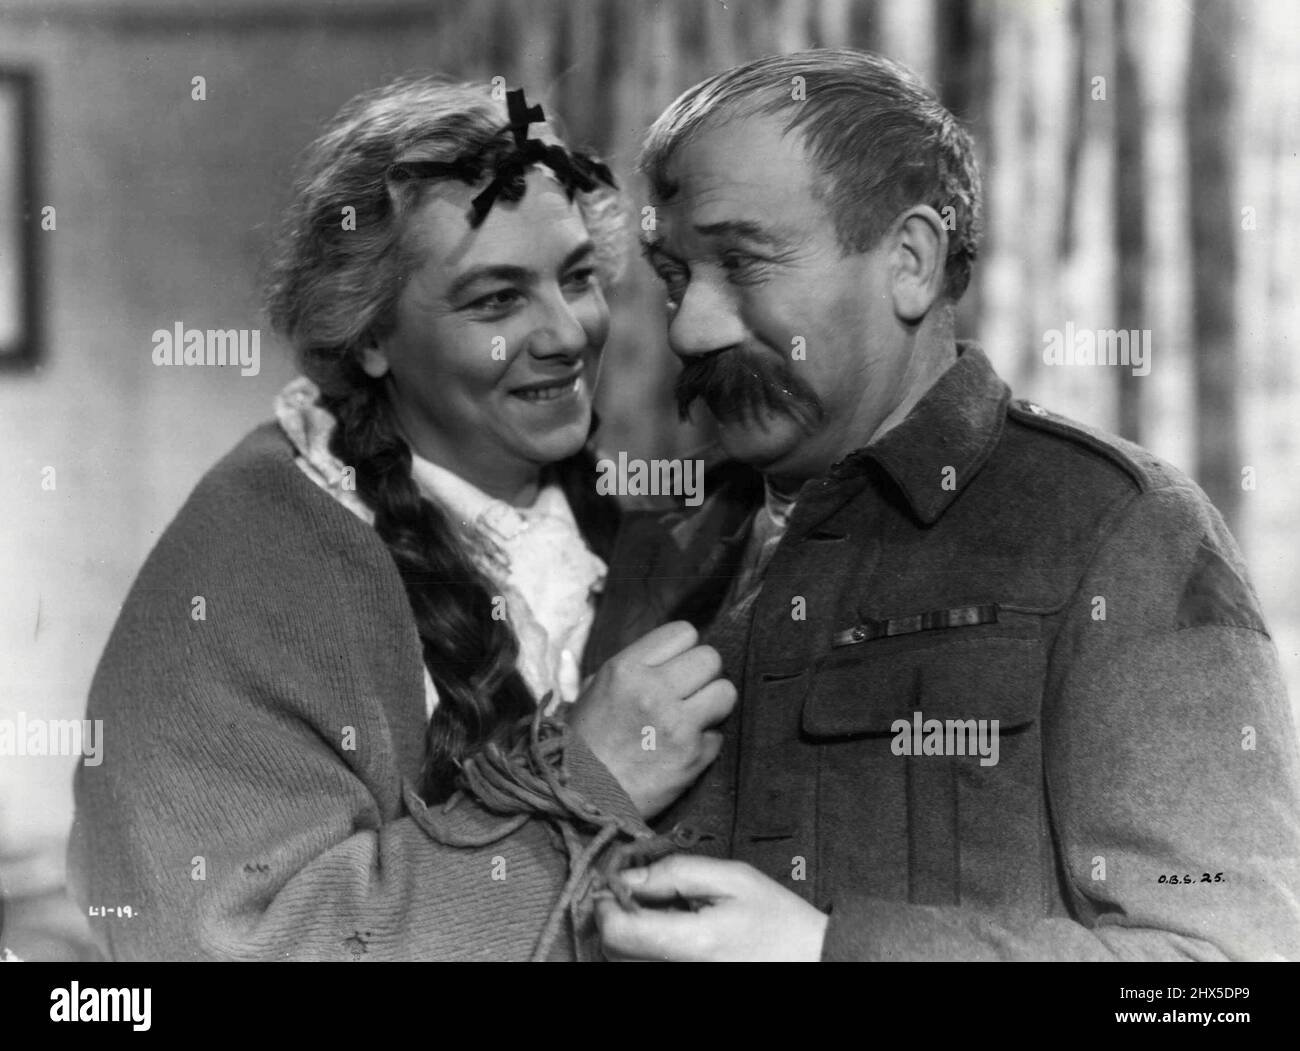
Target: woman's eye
[[581, 278], [498, 300]]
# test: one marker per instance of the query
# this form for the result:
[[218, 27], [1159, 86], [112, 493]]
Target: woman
[[359, 606]]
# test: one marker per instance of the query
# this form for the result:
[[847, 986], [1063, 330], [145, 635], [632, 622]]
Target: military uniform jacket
[[988, 564]]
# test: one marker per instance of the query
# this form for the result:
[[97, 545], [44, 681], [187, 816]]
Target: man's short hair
[[879, 137]]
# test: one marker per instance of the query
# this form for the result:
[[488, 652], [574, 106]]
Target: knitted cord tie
[[526, 780]]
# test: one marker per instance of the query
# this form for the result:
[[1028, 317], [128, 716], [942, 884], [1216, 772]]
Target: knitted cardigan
[[263, 713]]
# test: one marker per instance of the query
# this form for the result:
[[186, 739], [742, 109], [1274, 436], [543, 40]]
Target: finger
[[709, 747], [648, 934], [662, 644], [692, 670], [712, 704], [658, 892], [682, 876]]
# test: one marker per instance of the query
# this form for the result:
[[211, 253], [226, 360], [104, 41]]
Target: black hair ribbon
[[575, 170]]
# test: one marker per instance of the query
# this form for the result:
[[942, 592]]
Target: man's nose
[[705, 321]]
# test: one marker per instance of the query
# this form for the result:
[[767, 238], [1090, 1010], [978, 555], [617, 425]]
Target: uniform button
[[1037, 410]]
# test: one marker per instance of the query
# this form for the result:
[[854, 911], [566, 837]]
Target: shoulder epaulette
[[1135, 461]]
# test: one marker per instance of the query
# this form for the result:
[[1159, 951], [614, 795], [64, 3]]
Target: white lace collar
[[547, 576]]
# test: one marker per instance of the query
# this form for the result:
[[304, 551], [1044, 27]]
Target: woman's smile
[[552, 390]]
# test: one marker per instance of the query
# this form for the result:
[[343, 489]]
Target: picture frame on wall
[[20, 337]]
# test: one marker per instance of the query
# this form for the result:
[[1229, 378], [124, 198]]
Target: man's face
[[792, 345], [494, 355]]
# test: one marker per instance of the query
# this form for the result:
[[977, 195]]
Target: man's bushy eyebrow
[[651, 250], [745, 228]]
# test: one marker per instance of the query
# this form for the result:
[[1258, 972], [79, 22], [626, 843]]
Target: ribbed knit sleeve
[[262, 707]]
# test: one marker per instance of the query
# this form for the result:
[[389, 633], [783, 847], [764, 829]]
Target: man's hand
[[732, 912], [647, 713]]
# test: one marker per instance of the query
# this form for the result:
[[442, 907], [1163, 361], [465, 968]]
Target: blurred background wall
[[1141, 173]]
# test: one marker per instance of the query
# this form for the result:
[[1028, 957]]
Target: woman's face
[[496, 349]]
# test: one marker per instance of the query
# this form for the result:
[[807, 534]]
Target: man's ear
[[921, 251], [374, 362]]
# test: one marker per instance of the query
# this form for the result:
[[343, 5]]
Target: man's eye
[[741, 263], [674, 281]]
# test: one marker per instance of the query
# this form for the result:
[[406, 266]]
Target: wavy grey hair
[[880, 139]]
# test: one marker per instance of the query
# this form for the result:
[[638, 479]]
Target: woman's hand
[[648, 714]]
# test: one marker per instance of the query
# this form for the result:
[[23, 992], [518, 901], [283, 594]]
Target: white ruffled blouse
[[535, 556]]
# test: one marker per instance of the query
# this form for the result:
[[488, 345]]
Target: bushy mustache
[[736, 386]]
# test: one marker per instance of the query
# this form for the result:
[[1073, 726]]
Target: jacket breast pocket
[[930, 767]]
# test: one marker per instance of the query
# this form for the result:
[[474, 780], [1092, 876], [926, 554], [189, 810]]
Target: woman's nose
[[560, 331]]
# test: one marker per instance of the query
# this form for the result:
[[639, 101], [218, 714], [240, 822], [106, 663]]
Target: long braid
[[470, 655], [331, 290]]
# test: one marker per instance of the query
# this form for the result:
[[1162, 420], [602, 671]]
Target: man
[[1005, 691]]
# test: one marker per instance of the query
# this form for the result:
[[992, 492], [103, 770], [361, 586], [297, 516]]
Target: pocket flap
[[863, 691]]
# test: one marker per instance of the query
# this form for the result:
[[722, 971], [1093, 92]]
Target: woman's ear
[[922, 252], [374, 362]]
